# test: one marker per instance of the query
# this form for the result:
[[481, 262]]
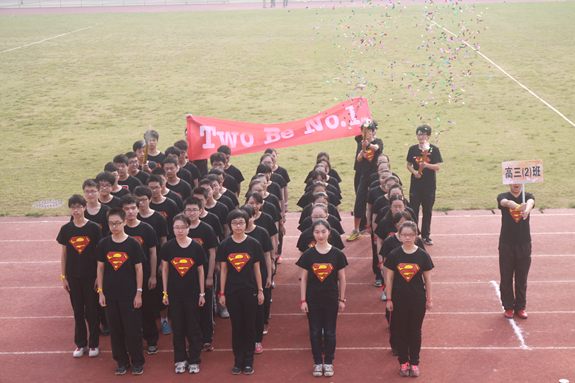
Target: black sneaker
[[248, 370], [152, 350], [105, 330], [428, 241], [236, 370], [138, 370], [122, 370]]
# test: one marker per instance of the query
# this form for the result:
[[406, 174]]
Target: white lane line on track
[[49, 38], [512, 322], [507, 74]]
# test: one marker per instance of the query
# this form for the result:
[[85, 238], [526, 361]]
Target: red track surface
[[465, 337]]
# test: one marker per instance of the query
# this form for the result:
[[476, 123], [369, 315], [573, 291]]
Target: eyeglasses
[[316, 217], [90, 192], [105, 186], [143, 200], [180, 228], [115, 224], [156, 188], [76, 207], [238, 223], [133, 163], [190, 211]]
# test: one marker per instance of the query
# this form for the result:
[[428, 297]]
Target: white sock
[[164, 319]]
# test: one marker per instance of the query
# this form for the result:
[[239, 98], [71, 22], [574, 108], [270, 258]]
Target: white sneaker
[[327, 370], [181, 367], [317, 370], [194, 368], [79, 352], [94, 352]]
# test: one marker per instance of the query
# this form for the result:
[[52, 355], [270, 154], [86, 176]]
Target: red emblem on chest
[[199, 240], [311, 244], [408, 270], [79, 243], [419, 160], [369, 155], [516, 214], [238, 260], [322, 270], [139, 239], [117, 259], [164, 214], [182, 265]]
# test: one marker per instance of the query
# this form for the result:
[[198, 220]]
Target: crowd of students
[[167, 237]]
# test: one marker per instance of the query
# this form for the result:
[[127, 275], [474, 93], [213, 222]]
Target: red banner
[[206, 134]]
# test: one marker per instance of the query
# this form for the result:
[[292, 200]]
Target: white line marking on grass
[[507, 74], [516, 328], [49, 38]]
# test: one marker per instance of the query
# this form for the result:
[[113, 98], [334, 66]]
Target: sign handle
[[523, 192]]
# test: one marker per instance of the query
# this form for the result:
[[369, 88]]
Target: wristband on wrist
[[430, 300], [140, 290], [343, 300], [99, 290], [62, 277], [202, 294], [300, 302], [165, 294], [221, 295], [379, 264], [388, 299]]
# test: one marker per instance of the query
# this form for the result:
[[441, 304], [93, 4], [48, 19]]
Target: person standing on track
[[409, 295], [514, 249], [322, 293]]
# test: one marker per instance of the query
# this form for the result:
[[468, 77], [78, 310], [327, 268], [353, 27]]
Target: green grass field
[[70, 104]]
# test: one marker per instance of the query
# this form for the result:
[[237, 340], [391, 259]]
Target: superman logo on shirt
[[164, 214], [419, 159], [369, 153], [183, 265], [139, 239], [79, 243], [199, 240], [311, 244], [322, 270], [117, 259], [516, 213], [408, 270], [238, 260]]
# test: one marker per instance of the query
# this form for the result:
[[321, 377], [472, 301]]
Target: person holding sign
[[514, 249], [423, 161]]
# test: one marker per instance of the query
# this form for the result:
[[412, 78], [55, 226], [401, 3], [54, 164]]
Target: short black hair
[[248, 209], [173, 151], [143, 191], [270, 151], [206, 181], [111, 167], [320, 221], [121, 159], [182, 217], [423, 129], [153, 134], [237, 213], [106, 177], [130, 155], [218, 172], [77, 199], [369, 124], [225, 149], [129, 199], [155, 178], [319, 195], [90, 182], [263, 168], [200, 191], [193, 201], [182, 145], [255, 195], [265, 155], [116, 211], [170, 160], [217, 156], [158, 171], [138, 145], [317, 184]]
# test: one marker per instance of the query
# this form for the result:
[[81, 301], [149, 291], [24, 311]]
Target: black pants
[[514, 260], [125, 324], [262, 316], [360, 206], [207, 317], [406, 320], [280, 242], [150, 328], [426, 200], [185, 317], [85, 304], [242, 306], [375, 258], [322, 316]]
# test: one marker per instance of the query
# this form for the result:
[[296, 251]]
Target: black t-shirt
[[329, 188], [306, 240], [267, 222], [322, 277], [307, 198], [142, 177], [374, 180], [514, 229], [384, 210], [408, 283], [385, 229], [120, 193], [193, 169], [228, 193], [262, 236], [176, 198], [213, 220], [334, 223], [379, 204], [306, 212], [120, 260], [282, 172], [182, 188], [100, 218], [427, 182], [205, 236], [275, 189], [230, 183], [146, 237], [183, 278], [80, 245], [129, 183], [185, 175], [221, 211], [168, 209], [273, 200], [374, 194], [368, 164], [227, 201], [392, 242], [158, 159], [236, 173], [333, 173], [335, 183], [202, 166], [278, 179], [151, 164], [160, 226], [114, 202], [272, 210], [240, 259]]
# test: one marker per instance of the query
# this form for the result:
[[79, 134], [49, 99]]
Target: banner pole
[[523, 192]]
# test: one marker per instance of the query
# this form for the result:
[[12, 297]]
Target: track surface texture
[[465, 336]]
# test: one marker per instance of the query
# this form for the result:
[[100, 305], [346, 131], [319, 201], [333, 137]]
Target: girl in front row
[[183, 261], [322, 295]]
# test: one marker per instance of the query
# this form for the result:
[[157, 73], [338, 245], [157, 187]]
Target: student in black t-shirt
[[146, 237], [306, 239], [423, 178], [224, 188], [270, 206], [173, 182], [207, 217], [323, 157], [268, 160], [184, 174], [106, 181], [79, 238], [319, 198], [212, 181], [125, 180], [322, 295], [281, 172], [240, 257], [183, 162], [95, 211], [514, 249], [183, 261], [120, 281], [117, 190], [153, 153], [206, 236], [231, 169], [262, 236], [218, 160], [318, 187], [409, 295], [264, 220], [170, 194], [264, 172], [215, 207], [139, 148], [134, 170], [163, 205]]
